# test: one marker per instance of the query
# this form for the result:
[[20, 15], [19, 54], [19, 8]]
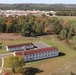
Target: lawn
[[67, 17], [68, 69], [50, 65]]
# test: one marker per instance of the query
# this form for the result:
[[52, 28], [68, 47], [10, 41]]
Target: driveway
[[5, 55]]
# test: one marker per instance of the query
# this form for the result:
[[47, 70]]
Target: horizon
[[37, 2]]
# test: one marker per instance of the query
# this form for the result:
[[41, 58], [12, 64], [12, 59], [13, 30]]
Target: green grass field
[[67, 17], [50, 65]]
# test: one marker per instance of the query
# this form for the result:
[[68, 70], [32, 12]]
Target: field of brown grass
[[13, 36], [67, 17], [68, 69]]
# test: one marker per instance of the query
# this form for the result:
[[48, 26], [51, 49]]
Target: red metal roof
[[19, 45], [27, 52]]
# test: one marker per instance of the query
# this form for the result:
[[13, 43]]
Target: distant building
[[16, 13], [19, 47], [37, 54]]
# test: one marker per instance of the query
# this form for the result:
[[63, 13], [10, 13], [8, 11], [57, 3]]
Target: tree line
[[65, 13], [31, 25], [46, 7]]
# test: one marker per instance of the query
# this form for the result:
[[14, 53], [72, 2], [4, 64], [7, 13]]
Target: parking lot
[[41, 45]]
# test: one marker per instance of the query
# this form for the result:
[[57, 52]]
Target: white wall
[[19, 48], [41, 55]]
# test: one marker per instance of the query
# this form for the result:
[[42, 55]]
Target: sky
[[39, 1]]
